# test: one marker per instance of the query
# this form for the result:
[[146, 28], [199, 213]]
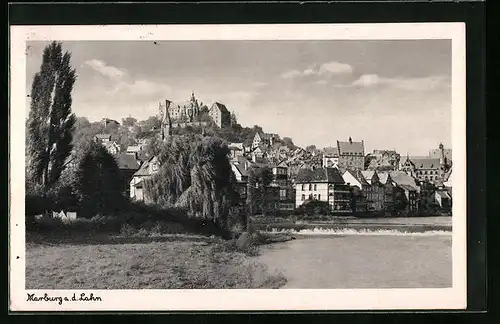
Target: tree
[[129, 121], [288, 142], [151, 123], [97, 181], [50, 122], [234, 120], [195, 174], [311, 148], [259, 179]]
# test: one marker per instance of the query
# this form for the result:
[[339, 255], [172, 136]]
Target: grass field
[[153, 265]]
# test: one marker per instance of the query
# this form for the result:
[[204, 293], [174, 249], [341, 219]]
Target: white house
[[323, 184], [148, 168]]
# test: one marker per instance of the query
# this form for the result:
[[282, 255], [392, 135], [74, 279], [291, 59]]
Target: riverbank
[[171, 262], [362, 261]]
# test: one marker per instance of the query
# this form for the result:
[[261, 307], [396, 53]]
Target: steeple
[[350, 140], [193, 98]]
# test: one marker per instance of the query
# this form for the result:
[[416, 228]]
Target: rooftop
[[425, 162], [351, 147], [328, 175], [127, 162]]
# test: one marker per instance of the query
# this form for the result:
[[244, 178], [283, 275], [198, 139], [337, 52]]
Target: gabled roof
[[235, 146], [144, 169], [358, 176], [351, 147], [331, 151], [425, 162], [402, 179], [328, 175], [127, 162], [384, 177], [241, 169], [368, 175]]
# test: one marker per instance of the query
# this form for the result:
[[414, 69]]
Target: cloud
[[291, 74], [334, 68], [367, 80], [324, 70], [409, 84], [108, 71]]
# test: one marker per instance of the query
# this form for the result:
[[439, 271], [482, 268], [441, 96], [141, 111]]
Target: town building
[[186, 111], [323, 184], [235, 150], [146, 171], [424, 169], [110, 122], [406, 194], [330, 157], [102, 138], [134, 149], [432, 168], [220, 115], [360, 189], [441, 153], [375, 192], [128, 165], [351, 155], [112, 147], [265, 139], [443, 199], [383, 160]]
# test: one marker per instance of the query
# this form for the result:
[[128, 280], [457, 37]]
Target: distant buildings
[[429, 168], [190, 113], [384, 160], [102, 138], [351, 155], [265, 139], [110, 122], [112, 147], [330, 157]]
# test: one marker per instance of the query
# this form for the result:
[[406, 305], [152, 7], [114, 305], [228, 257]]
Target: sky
[[391, 94]]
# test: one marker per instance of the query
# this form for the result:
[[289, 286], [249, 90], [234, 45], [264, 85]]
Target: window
[[315, 196], [319, 196], [310, 196], [310, 186], [303, 197], [314, 187], [303, 188]]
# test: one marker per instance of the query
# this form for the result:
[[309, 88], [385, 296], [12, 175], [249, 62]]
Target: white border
[[225, 300]]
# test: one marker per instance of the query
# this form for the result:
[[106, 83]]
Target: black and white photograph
[[238, 167]]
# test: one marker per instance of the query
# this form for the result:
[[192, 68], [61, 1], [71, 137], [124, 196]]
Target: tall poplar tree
[[50, 122]]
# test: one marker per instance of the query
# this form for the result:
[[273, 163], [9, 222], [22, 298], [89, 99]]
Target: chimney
[[350, 140]]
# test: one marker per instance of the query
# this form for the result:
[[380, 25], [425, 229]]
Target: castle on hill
[[192, 113]]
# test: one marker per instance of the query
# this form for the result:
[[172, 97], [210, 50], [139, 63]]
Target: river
[[363, 261]]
